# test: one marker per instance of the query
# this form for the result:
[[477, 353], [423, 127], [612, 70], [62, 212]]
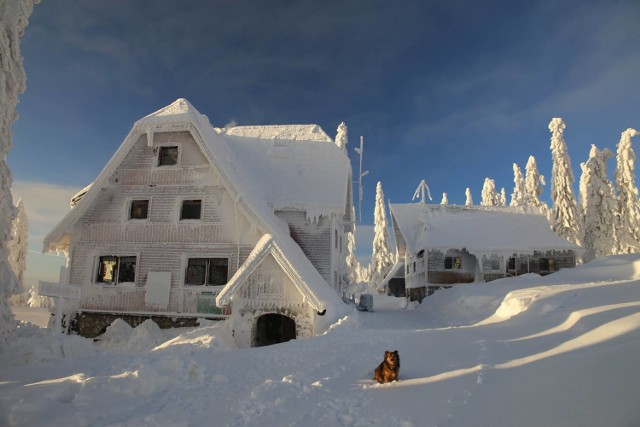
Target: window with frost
[[207, 272], [139, 209], [452, 263], [168, 156], [113, 270], [191, 209]]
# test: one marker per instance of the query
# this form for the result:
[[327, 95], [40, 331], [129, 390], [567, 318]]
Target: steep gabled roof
[[240, 176], [478, 229], [268, 246]]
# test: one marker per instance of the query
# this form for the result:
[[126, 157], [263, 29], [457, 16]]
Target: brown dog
[[388, 370]]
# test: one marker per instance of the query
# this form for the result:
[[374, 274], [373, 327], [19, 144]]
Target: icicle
[[151, 127]]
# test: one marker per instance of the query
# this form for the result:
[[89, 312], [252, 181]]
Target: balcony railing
[[183, 301]]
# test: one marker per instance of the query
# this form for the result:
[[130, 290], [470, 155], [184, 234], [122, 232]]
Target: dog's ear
[[396, 352]]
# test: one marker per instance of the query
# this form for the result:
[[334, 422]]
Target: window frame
[[130, 203], [98, 269], [181, 207], [455, 262], [162, 147], [207, 271]]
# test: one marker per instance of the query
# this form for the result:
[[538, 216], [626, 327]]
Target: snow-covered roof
[[477, 229], [249, 167], [267, 246]]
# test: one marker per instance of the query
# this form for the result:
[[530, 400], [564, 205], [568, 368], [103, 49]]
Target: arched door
[[274, 328]]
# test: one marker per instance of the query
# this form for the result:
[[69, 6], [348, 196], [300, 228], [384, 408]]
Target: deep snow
[[560, 350]]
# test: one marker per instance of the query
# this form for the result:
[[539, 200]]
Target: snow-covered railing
[[187, 302], [149, 232]]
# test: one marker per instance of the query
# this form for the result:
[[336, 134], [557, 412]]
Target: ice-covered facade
[[442, 245], [189, 221]]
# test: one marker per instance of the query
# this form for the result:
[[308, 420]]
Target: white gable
[[475, 228]]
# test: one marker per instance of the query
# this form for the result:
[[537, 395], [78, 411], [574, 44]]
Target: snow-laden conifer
[[353, 266], [564, 215], [503, 197], [489, 195], [469, 197], [628, 226], [382, 259], [14, 17], [341, 136], [18, 246], [518, 195], [445, 199], [533, 185], [597, 205]]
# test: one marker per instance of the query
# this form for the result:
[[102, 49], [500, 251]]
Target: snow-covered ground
[[555, 351]]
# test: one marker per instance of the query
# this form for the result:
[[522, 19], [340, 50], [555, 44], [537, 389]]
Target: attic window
[[113, 270], [168, 156], [191, 209], [207, 271], [139, 209]]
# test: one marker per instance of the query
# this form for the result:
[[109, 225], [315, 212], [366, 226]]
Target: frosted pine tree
[[352, 262], [469, 200], [341, 137], [628, 226], [382, 259], [564, 214], [445, 199], [14, 17], [503, 197], [518, 195], [597, 205], [489, 195], [534, 186], [18, 250]]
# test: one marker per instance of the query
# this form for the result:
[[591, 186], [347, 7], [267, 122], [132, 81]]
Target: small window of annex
[[139, 209]]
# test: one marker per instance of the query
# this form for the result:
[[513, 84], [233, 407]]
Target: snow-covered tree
[[533, 185], [14, 17], [445, 199], [489, 195], [564, 215], [469, 200], [503, 197], [18, 248], [518, 195], [382, 259], [341, 136], [352, 262], [628, 226], [597, 205]]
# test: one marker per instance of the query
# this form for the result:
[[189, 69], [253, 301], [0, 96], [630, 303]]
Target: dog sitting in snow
[[388, 370]]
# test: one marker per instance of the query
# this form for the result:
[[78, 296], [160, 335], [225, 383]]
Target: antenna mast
[[361, 174]]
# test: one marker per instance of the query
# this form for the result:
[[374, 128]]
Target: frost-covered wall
[[161, 242], [14, 17]]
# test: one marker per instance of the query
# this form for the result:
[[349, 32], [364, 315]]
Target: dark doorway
[[273, 329], [396, 287]]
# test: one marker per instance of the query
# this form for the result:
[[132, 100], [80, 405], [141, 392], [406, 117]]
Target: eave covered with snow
[[477, 229]]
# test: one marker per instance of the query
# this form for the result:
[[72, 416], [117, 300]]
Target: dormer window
[[168, 156]]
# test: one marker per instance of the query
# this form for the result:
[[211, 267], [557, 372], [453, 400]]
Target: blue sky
[[446, 91]]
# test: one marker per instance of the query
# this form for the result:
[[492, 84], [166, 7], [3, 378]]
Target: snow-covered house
[[442, 245], [189, 221]]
